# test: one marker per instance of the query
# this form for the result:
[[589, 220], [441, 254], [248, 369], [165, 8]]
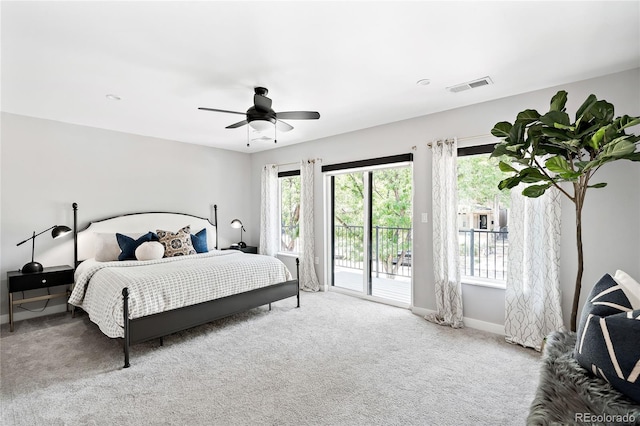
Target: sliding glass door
[[349, 231], [371, 232]]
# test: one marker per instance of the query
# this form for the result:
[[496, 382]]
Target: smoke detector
[[484, 81]]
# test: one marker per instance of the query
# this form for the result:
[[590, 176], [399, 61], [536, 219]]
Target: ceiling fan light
[[261, 125]]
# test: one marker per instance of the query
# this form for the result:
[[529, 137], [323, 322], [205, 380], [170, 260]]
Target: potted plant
[[549, 150]]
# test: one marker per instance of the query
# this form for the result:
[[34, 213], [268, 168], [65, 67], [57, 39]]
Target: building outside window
[[483, 212]]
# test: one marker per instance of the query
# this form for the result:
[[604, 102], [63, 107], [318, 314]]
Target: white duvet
[[170, 283]]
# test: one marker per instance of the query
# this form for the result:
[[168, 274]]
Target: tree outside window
[[289, 213]]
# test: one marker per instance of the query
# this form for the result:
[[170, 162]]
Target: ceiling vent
[[484, 81]]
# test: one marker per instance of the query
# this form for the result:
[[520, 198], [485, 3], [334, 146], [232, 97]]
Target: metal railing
[[483, 253], [390, 249]]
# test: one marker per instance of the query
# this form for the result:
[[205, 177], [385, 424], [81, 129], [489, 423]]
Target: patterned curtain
[[308, 279], [532, 298], [269, 221], [445, 234]]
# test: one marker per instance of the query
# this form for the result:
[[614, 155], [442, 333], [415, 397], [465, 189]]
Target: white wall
[[48, 165], [611, 228]]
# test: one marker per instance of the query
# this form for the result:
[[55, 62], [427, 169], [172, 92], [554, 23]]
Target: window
[[483, 212], [289, 211]]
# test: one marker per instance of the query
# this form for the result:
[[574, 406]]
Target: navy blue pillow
[[199, 241], [128, 245], [608, 336]]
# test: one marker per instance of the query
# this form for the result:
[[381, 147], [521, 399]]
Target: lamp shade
[[237, 224], [59, 231]]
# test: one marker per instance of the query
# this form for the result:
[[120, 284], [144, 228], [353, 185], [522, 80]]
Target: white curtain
[[308, 279], [445, 234], [532, 298], [269, 221]]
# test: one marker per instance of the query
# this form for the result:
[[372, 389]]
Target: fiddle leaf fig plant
[[549, 151]]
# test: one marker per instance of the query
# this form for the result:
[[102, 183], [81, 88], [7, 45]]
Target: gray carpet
[[337, 360]]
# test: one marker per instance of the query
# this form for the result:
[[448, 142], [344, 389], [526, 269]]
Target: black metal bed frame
[[164, 323]]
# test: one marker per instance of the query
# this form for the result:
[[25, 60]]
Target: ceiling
[[357, 63]]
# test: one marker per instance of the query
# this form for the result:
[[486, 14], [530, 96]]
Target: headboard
[[138, 223]]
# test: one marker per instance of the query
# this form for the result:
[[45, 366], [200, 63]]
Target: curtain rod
[[466, 138], [313, 160]]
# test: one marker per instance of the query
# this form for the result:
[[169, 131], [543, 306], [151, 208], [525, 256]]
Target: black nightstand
[[247, 249], [49, 277]]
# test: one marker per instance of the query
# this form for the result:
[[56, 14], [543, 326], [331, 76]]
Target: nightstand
[[49, 277], [247, 249]]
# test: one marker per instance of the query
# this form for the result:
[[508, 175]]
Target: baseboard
[[468, 322], [19, 314]]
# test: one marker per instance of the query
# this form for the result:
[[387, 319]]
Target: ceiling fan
[[261, 117]]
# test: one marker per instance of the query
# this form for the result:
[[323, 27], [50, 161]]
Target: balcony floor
[[398, 289]]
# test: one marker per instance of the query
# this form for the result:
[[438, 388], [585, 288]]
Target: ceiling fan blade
[[298, 115], [236, 125], [221, 110], [281, 126], [262, 103]]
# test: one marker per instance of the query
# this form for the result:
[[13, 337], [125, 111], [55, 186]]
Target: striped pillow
[[608, 337]]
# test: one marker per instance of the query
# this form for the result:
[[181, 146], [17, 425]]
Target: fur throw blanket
[[569, 395]]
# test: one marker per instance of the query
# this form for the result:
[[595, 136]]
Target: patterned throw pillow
[[176, 243], [608, 336]]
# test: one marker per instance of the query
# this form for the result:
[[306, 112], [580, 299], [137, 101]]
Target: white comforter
[[161, 285]]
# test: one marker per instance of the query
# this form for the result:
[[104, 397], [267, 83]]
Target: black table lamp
[[58, 231], [236, 223]]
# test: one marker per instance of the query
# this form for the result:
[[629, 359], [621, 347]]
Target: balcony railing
[[483, 253], [390, 247]]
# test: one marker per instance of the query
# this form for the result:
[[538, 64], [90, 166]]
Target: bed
[[147, 297]]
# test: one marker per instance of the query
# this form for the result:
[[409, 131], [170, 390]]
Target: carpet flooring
[[337, 360]]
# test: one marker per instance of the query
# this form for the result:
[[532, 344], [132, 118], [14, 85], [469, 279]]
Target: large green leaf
[[501, 149], [516, 134], [558, 101], [506, 167], [556, 133], [501, 129], [597, 185], [509, 182], [597, 138], [558, 164], [556, 119], [618, 148], [528, 116], [535, 191], [532, 175], [626, 121], [586, 106], [633, 157], [603, 111]]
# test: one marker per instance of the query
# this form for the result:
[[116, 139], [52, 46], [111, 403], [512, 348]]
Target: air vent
[[484, 81]]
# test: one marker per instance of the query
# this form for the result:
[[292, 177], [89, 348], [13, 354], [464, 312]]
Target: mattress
[[170, 283]]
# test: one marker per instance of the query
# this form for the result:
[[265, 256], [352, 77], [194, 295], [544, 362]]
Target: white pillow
[[630, 287], [107, 248], [150, 250]]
